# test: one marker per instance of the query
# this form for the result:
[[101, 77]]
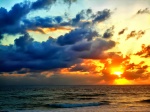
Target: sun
[[122, 81], [117, 71]]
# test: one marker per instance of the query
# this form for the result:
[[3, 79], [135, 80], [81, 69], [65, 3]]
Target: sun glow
[[117, 71], [122, 81]]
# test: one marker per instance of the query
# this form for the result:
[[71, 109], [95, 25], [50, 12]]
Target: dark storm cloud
[[47, 3], [35, 56], [109, 32], [81, 20], [9, 20], [102, 15], [86, 18], [14, 15], [27, 55], [42, 4], [76, 36], [57, 79], [12, 22], [37, 23], [82, 46], [79, 17], [23, 41], [39, 4]]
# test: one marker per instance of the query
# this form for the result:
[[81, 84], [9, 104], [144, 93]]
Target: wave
[[87, 95], [4, 111], [67, 105]]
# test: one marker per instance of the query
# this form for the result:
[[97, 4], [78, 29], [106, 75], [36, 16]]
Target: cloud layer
[[88, 53]]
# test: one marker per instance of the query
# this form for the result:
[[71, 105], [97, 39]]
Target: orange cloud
[[47, 30], [13, 75], [145, 52], [103, 71]]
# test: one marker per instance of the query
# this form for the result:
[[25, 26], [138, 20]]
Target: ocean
[[75, 98]]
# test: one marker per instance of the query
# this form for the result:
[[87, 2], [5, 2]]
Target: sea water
[[75, 99]]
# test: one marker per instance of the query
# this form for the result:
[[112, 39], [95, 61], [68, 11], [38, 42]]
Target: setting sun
[[122, 81], [117, 71]]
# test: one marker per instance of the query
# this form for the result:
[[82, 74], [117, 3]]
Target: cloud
[[97, 49], [23, 41], [57, 79], [86, 18], [136, 74], [69, 1], [88, 71], [11, 17], [31, 59], [82, 20], [13, 22], [145, 52], [31, 54], [81, 42], [53, 53], [42, 4], [19, 24], [109, 32], [138, 34], [135, 71], [82, 46], [47, 3], [9, 21], [101, 16], [76, 36], [51, 29], [144, 11], [122, 31]]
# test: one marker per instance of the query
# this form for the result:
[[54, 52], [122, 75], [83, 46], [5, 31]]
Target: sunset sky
[[74, 42]]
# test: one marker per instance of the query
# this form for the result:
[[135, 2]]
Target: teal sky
[[124, 7]]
